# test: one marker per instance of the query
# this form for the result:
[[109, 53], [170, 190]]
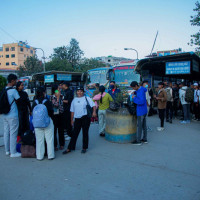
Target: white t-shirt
[[12, 94], [78, 106], [196, 95]]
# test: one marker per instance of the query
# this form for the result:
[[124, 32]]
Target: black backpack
[[131, 106], [4, 103], [28, 138]]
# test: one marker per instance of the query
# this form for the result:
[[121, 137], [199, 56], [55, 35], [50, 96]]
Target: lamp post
[[133, 50], [42, 57]]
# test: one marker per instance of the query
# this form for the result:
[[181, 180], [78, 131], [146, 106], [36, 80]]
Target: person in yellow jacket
[[104, 99]]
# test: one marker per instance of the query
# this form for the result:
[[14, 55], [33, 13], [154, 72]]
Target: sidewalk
[[168, 168]]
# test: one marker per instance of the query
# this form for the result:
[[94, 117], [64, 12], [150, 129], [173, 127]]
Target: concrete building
[[13, 55], [111, 60]]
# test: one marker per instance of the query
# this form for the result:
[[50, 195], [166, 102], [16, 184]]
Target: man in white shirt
[[11, 120], [196, 102]]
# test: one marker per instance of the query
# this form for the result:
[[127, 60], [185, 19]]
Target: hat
[[80, 88], [195, 84]]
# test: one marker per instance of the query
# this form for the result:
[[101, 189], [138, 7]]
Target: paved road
[[168, 168]]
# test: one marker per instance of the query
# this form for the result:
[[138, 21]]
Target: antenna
[[154, 43]]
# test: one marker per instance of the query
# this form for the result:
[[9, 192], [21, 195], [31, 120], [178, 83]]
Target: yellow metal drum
[[121, 127]]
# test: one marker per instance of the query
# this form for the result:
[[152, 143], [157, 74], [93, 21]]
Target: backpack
[[5, 106], [131, 106], [169, 96], [41, 118], [189, 95]]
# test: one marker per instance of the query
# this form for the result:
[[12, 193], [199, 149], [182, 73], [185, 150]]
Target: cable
[[8, 34]]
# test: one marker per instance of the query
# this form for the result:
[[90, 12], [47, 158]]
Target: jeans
[[11, 126], [169, 110], [141, 126], [186, 111], [102, 120], [161, 116]]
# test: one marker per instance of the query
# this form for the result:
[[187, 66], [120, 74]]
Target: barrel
[[121, 127]]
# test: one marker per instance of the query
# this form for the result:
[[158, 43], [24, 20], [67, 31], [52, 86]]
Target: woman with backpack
[[43, 124], [58, 118], [103, 99], [80, 119], [24, 108]]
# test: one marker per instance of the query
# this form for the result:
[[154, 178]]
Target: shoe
[[144, 141], [15, 155], [61, 147], [50, 158], [56, 148], [136, 143], [66, 151], [67, 138], [149, 129], [183, 122], [7, 153], [188, 121], [160, 129], [83, 151], [102, 134]]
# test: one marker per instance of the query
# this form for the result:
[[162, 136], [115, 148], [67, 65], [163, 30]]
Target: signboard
[[167, 53], [49, 78], [182, 67], [64, 77]]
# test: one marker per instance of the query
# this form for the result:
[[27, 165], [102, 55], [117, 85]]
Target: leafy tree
[[3, 82], [195, 21], [31, 65], [74, 53], [60, 53]]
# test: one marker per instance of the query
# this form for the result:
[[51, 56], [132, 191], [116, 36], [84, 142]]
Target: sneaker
[[149, 129], [67, 138], [83, 151], [136, 143], [188, 121], [102, 134], [7, 153], [144, 141], [15, 155], [183, 122], [160, 129]]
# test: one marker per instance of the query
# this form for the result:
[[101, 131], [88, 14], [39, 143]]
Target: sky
[[102, 28]]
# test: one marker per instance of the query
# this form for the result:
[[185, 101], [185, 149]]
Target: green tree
[[195, 21], [74, 53], [3, 82], [31, 65], [60, 53]]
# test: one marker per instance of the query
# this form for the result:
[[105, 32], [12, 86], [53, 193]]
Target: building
[[13, 55], [111, 60]]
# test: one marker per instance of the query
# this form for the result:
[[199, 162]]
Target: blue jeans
[[141, 126]]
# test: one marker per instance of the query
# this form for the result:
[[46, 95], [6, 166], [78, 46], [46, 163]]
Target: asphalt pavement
[[167, 168]]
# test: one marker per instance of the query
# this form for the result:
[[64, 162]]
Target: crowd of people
[[61, 112]]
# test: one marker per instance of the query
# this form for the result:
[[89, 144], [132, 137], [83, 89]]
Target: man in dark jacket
[[139, 98], [113, 91], [68, 97]]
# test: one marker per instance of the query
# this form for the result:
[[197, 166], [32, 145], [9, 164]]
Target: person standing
[[104, 101], [169, 107], [113, 91], [139, 98], [185, 104], [196, 102], [11, 119], [67, 100], [176, 99], [24, 109], [96, 91], [58, 118], [43, 134], [162, 102], [80, 120]]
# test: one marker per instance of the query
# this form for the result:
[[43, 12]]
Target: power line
[[8, 34]]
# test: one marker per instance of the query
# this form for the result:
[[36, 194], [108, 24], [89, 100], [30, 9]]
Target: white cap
[[195, 84]]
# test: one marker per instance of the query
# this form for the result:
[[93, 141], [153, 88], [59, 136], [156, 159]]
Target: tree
[[74, 53], [3, 82], [195, 21], [60, 53], [31, 65]]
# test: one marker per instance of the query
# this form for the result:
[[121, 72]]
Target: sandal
[[66, 151]]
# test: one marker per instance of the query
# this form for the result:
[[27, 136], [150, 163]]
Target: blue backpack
[[41, 118]]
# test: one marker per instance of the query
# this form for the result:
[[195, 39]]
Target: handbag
[[131, 107], [114, 106], [89, 109], [28, 151]]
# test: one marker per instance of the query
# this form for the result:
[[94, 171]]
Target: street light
[[133, 50], [42, 57]]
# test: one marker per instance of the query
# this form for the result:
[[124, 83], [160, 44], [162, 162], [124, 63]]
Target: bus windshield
[[98, 76], [124, 75]]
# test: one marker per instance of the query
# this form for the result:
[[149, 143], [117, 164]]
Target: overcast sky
[[102, 27]]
